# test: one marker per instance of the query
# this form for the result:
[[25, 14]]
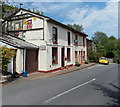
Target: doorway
[[31, 60], [62, 57]]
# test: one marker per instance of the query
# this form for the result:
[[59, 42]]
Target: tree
[[76, 27], [100, 38], [37, 11], [6, 55], [7, 8], [107, 46], [29, 9], [93, 56]]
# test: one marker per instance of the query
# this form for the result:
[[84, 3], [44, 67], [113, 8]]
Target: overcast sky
[[94, 15]]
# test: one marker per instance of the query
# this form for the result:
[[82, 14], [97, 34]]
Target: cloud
[[59, 0], [94, 19]]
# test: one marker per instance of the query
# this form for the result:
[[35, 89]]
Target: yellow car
[[103, 60]]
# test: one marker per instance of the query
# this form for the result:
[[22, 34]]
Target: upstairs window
[[83, 41], [68, 54], [68, 38], [76, 40], [54, 55], [54, 34]]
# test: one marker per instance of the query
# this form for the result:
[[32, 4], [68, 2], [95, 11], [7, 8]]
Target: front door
[[31, 60], [76, 56], [62, 57]]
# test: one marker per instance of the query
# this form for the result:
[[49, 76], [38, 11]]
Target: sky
[[93, 15]]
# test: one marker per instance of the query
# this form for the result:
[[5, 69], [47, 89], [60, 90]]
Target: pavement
[[39, 75], [95, 85]]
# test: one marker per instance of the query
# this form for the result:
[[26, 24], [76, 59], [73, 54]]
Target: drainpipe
[[24, 58]]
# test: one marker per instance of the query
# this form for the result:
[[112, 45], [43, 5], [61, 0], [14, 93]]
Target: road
[[96, 85]]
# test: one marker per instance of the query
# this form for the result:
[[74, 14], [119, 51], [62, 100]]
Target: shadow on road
[[113, 95]]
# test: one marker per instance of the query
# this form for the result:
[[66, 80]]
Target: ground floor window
[[54, 55], [68, 54]]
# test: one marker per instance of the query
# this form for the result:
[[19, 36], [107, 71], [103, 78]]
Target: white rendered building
[[59, 45]]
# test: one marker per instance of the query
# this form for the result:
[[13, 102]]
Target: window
[[16, 34], [76, 37], [68, 38], [76, 40], [83, 41], [29, 24], [68, 54], [54, 33], [54, 55]]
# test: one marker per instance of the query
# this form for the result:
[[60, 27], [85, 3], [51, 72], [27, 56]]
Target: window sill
[[55, 42], [68, 60], [54, 63]]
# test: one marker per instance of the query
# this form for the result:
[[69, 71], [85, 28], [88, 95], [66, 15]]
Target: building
[[59, 45], [24, 50], [91, 45]]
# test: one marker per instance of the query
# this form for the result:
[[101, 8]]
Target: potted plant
[[86, 62], [77, 64]]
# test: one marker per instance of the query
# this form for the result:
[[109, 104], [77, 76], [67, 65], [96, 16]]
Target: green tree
[[76, 27], [6, 55], [7, 8], [37, 11], [29, 9], [111, 46], [93, 56], [100, 38]]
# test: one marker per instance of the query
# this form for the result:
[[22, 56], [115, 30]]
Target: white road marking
[[68, 91]]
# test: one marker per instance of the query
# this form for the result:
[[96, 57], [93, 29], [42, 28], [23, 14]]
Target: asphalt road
[[96, 85]]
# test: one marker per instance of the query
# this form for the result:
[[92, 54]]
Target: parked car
[[103, 60]]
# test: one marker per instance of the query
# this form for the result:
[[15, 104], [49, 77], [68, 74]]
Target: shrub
[[77, 64], [6, 55], [87, 62]]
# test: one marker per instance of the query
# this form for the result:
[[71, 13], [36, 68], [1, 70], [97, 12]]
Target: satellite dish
[[76, 41]]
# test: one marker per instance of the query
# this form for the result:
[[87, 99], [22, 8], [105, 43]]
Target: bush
[[93, 56], [6, 55], [87, 62], [77, 64]]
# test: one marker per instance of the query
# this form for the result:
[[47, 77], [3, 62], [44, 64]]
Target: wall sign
[[34, 18], [42, 47]]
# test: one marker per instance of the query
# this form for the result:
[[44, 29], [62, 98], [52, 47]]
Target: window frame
[[76, 38], [83, 41], [56, 35], [69, 54], [56, 62], [69, 39]]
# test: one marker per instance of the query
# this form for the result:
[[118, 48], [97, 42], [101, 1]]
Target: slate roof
[[16, 42]]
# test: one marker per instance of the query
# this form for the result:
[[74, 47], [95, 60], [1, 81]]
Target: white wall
[[45, 56], [33, 35], [19, 60], [62, 34], [10, 66]]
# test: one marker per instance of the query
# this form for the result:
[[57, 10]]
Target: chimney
[[21, 5], [33, 10]]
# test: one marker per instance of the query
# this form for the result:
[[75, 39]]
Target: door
[[76, 56], [62, 57], [79, 57], [31, 60]]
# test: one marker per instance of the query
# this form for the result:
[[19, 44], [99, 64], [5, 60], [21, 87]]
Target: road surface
[[96, 85]]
